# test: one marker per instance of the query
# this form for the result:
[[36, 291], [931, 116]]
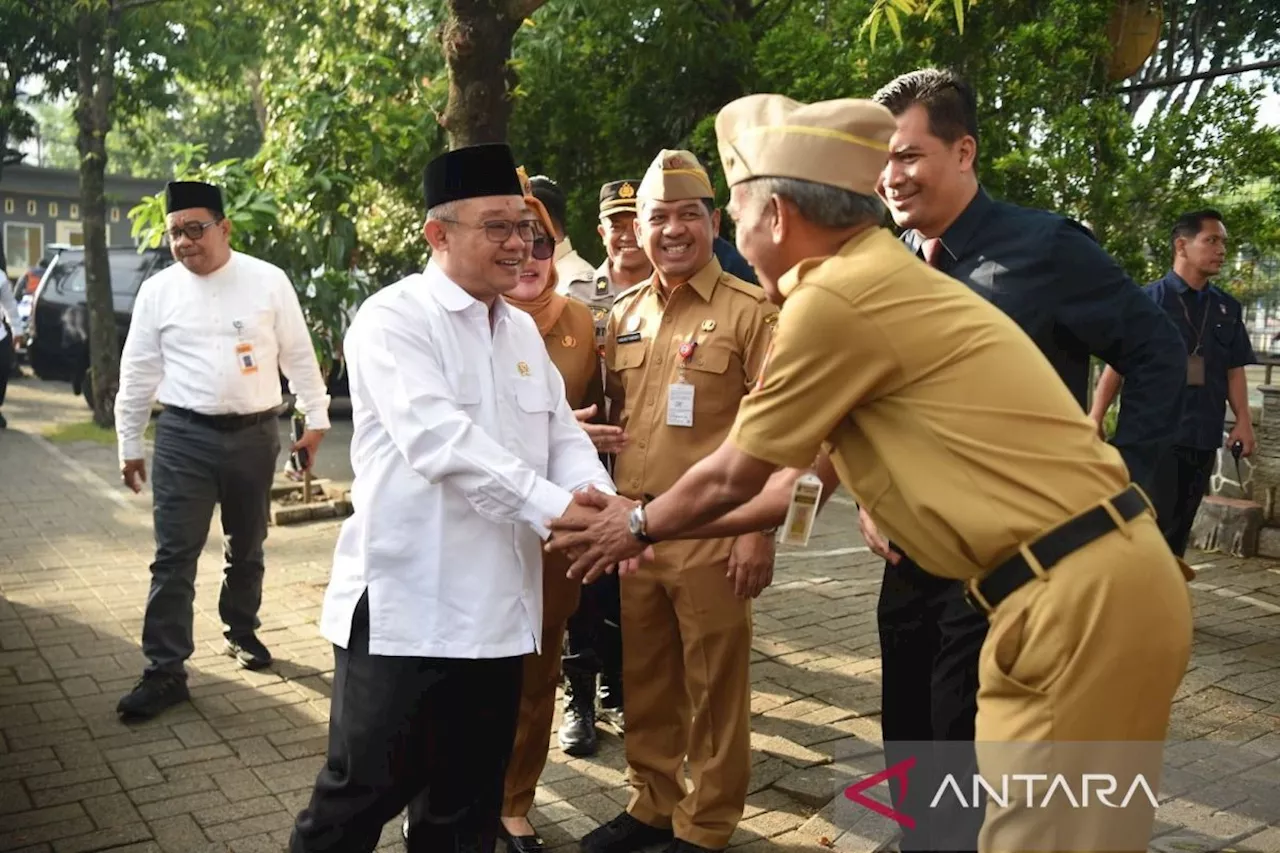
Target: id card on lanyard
[[245, 358]]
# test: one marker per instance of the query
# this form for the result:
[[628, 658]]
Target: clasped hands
[[595, 534]]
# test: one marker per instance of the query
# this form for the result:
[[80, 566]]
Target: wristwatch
[[636, 524]]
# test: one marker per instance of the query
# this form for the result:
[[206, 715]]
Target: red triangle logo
[[898, 771]]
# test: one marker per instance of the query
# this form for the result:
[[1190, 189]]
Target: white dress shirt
[[9, 309], [183, 337], [464, 447]]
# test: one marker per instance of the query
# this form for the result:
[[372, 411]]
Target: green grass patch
[[88, 431]]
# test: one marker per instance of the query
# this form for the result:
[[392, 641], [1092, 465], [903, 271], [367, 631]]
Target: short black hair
[[1190, 224], [945, 96], [552, 197]]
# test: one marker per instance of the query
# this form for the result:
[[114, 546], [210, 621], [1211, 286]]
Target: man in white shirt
[[208, 339], [464, 448], [10, 330]]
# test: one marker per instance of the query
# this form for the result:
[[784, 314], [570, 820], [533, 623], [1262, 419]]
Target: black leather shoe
[[3, 423], [153, 693], [623, 834], [577, 734], [249, 651]]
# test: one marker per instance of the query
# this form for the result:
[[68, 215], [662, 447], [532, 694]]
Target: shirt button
[[657, 359], [642, 444]]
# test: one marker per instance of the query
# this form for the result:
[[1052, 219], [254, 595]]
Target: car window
[[126, 273]]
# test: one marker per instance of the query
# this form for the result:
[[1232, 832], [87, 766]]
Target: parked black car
[[58, 347], [58, 344]]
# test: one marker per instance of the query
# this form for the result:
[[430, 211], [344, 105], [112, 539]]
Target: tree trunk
[[95, 69], [476, 40]]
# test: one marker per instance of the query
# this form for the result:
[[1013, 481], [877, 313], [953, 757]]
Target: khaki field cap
[[843, 143], [675, 176]]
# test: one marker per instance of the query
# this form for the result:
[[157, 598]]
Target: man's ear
[[600, 231], [225, 224], [436, 235], [715, 222], [781, 215], [967, 150]]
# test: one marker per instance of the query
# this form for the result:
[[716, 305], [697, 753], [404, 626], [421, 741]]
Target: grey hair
[[445, 210], [823, 205]]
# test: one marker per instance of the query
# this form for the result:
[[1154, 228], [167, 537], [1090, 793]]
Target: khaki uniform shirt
[[944, 420], [730, 321], [598, 293], [572, 349]]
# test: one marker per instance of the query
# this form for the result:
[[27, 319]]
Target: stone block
[[1269, 542], [1227, 525]]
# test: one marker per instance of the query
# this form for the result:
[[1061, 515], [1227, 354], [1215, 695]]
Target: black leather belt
[[222, 423], [1054, 546]]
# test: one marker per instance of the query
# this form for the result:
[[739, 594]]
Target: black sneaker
[[3, 423], [249, 651], [623, 834], [153, 693], [679, 845]]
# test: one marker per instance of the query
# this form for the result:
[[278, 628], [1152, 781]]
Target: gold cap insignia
[[708, 325], [522, 368], [626, 191]]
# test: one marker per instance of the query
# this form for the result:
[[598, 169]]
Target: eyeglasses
[[500, 230], [193, 230]]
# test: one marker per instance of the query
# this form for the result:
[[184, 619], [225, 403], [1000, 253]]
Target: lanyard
[[1203, 319]]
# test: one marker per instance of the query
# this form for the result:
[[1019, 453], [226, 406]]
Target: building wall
[[41, 207]]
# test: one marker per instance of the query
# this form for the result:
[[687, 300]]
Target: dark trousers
[[434, 734], [595, 638], [929, 642], [1185, 476], [6, 364], [196, 467]]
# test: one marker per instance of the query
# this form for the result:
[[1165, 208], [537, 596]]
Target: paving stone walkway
[[231, 770]]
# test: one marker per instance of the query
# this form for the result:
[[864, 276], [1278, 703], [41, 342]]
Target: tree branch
[[126, 5], [517, 10]]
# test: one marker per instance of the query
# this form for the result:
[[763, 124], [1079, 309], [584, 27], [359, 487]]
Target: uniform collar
[[450, 295], [1180, 285], [961, 232], [703, 282], [564, 248], [791, 279]]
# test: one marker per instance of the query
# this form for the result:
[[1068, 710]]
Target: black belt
[[1048, 550], [223, 423]]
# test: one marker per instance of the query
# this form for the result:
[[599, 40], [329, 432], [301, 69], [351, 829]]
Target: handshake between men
[[595, 533]]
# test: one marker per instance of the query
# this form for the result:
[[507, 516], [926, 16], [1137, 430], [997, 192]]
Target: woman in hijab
[[568, 330]]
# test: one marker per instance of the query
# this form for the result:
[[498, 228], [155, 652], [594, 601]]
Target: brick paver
[[231, 770]]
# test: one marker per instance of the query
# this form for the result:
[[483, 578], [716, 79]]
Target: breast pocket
[[535, 408], [717, 385], [256, 326], [629, 356], [1223, 334]]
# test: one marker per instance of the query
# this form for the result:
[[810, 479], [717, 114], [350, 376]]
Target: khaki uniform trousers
[[538, 694], [686, 652], [1078, 675]]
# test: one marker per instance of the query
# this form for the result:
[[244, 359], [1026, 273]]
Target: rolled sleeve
[[825, 360]]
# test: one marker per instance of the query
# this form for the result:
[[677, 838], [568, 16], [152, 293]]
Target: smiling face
[[618, 233], [927, 181], [677, 237], [535, 275], [465, 243]]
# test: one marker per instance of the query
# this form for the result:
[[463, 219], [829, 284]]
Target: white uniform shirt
[[464, 447], [570, 266], [9, 309], [183, 337]]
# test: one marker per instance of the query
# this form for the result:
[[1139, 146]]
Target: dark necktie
[[932, 249]]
